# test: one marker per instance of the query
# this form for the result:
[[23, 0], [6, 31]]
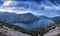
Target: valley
[[33, 25], [29, 17]]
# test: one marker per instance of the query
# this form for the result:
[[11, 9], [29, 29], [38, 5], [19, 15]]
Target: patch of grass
[[17, 28], [58, 35]]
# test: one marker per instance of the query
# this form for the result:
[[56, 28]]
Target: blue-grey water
[[37, 24]]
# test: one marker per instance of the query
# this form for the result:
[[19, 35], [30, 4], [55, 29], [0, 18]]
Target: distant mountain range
[[56, 18], [28, 20], [12, 17], [44, 17], [53, 19], [27, 17]]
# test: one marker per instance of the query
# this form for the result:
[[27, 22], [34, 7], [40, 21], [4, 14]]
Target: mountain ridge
[[18, 17], [14, 16]]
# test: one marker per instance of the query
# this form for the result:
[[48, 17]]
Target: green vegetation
[[58, 35], [33, 32], [15, 27], [57, 22], [43, 31]]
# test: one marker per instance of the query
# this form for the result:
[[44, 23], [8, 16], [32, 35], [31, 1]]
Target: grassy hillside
[[33, 32]]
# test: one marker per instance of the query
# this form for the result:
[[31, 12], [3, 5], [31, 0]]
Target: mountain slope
[[56, 18], [53, 32], [12, 17], [44, 17]]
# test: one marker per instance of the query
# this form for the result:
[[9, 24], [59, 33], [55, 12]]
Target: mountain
[[12, 17], [53, 19], [7, 16], [56, 18], [28, 17], [44, 17]]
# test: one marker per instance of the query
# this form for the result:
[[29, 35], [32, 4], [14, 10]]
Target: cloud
[[13, 10], [6, 3], [10, 6], [21, 7], [1, 2]]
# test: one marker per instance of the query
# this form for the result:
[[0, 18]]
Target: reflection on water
[[36, 24]]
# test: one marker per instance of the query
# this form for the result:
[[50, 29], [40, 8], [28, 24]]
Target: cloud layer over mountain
[[50, 8]]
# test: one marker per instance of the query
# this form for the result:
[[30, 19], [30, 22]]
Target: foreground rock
[[10, 32], [53, 32]]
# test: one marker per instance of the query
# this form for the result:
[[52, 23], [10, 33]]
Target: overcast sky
[[21, 7]]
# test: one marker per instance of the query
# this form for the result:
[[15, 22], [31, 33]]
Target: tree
[[57, 22]]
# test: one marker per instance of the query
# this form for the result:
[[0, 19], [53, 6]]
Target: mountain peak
[[12, 17]]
